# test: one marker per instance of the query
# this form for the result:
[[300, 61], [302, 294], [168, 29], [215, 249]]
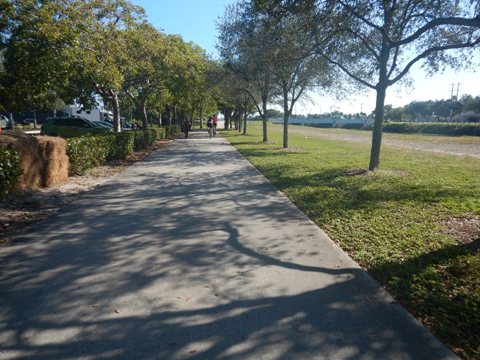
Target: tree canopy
[[376, 43], [78, 50]]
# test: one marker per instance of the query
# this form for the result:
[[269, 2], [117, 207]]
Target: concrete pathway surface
[[192, 254]]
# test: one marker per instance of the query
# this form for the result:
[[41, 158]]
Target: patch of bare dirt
[[291, 150], [19, 213], [357, 171], [464, 231]]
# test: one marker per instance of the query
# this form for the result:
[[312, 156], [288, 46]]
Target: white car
[[4, 122]]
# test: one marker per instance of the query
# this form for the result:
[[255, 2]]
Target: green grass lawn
[[411, 225]]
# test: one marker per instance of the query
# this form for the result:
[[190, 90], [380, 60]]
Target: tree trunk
[[381, 90], [116, 111], [228, 118], [286, 115], [174, 114], [201, 118], [377, 128], [12, 122], [264, 118], [245, 123], [169, 116], [236, 117], [34, 118], [143, 112]]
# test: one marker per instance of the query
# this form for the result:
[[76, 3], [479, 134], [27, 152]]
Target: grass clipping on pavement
[[414, 225]]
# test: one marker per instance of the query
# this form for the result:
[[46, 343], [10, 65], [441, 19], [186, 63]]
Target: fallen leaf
[[117, 311]]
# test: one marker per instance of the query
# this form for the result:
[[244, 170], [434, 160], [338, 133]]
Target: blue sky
[[195, 20]]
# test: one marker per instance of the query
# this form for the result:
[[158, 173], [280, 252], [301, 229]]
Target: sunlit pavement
[[191, 253]]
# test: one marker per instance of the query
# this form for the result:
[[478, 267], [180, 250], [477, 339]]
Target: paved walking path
[[191, 253]]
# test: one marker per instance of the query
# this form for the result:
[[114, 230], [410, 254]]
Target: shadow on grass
[[443, 287], [156, 265], [339, 190]]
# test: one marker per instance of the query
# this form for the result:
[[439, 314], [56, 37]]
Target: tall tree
[[297, 70], [101, 51], [34, 56], [67, 49], [384, 39], [245, 48], [146, 68], [376, 43]]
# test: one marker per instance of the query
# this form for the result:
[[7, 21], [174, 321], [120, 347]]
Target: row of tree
[[76, 51], [279, 49], [443, 110]]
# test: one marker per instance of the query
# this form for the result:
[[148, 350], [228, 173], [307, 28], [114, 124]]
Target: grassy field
[[414, 225]]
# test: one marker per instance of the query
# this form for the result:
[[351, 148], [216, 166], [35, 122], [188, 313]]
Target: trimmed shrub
[[416, 128], [151, 136], [10, 170], [433, 128], [124, 145], [138, 139], [81, 153], [87, 152], [355, 126], [171, 130], [319, 126], [160, 133]]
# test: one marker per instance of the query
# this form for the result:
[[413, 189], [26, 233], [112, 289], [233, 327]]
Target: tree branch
[[365, 43], [349, 73], [360, 17], [394, 63], [431, 51], [473, 22]]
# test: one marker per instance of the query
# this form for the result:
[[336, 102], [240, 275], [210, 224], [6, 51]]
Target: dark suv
[[72, 126]]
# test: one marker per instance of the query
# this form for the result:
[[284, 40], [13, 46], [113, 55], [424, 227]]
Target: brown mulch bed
[[464, 231]]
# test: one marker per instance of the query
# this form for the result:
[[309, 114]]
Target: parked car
[[72, 126], [105, 124], [4, 122]]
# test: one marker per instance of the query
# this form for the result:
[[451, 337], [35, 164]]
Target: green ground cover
[[413, 225]]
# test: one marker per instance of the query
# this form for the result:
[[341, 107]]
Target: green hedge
[[355, 126], [9, 171], [87, 152], [434, 128], [415, 128], [160, 133], [143, 139], [171, 130]]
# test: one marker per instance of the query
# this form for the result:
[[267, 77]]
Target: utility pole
[[458, 88], [451, 94]]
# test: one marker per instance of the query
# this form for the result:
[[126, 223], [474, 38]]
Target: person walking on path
[[215, 122], [210, 127], [187, 125]]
